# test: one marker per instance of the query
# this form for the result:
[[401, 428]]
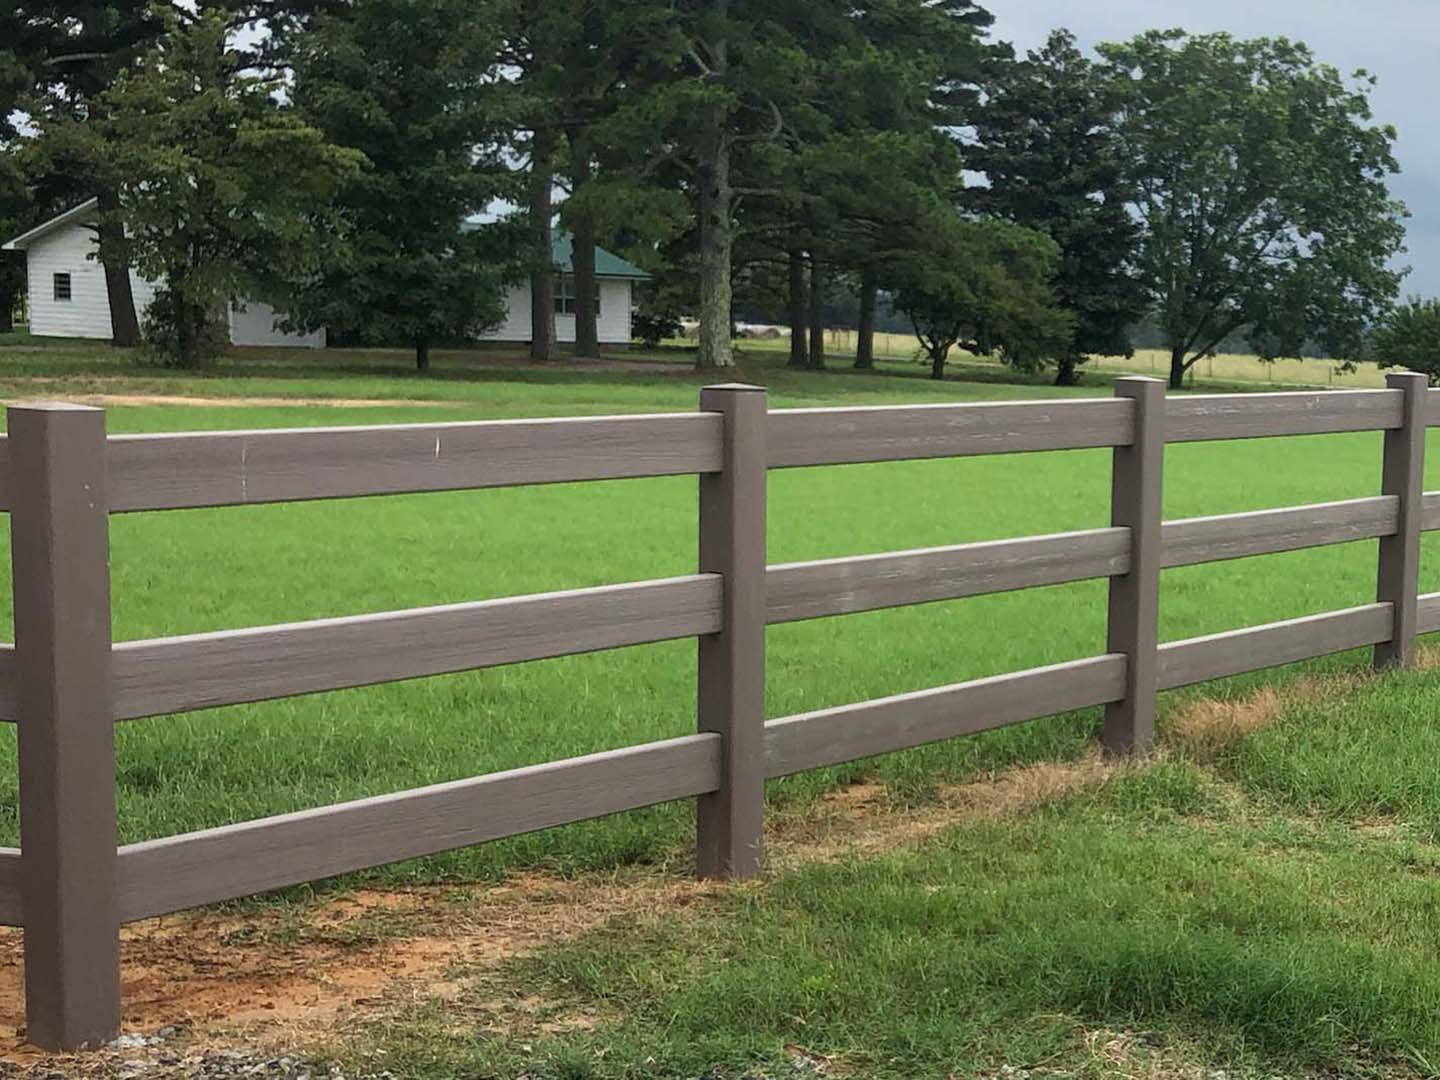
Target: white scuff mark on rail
[[244, 470], [437, 447]]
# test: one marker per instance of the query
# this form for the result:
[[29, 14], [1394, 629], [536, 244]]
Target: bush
[[182, 333], [652, 327]]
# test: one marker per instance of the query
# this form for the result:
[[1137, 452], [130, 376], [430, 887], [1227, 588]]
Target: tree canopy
[[1410, 338], [1260, 182], [426, 110], [1048, 145]]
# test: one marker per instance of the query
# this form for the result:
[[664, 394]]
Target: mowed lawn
[[1255, 903], [204, 570]]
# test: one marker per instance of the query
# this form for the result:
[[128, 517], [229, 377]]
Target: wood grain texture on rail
[[11, 904], [811, 590], [1428, 613], [1430, 511], [160, 876], [198, 671], [235, 468], [899, 432], [830, 736], [1264, 532], [4, 472], [1203, 417], [1216, 656], [7, 683]]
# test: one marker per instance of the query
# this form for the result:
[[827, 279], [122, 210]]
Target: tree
[[984, 286], [67, 54], [1410, 338], [231, 185], [1047, 143], [1261, 189], [426, 108], [709, 84]]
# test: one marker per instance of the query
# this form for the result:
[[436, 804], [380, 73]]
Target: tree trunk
[[817, 313], [795, 311], [1067, 371], [1177, 367], [124, 326], [865, 328], [7, 312], [422, 355], [937, 363], [716, 349], [582, 261], [542, 277]]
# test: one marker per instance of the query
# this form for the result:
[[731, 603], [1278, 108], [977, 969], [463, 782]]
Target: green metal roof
[[606, 263]]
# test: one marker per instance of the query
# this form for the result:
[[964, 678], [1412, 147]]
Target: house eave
[[59, 221]]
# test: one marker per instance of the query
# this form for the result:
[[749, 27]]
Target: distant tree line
[[793, 157]]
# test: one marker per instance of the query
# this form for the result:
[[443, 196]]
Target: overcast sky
[[1397, 40]]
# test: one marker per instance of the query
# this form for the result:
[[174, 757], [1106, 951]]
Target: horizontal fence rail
[[161, 876], [831, 736], [64, 670], [201, 671], [164, 472]]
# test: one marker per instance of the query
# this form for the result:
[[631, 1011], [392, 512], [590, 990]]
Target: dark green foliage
[[1410, 338], [182, 331], [983, 285], [1052, 158], [1261, 186], [652, 326], [426, 109], [229, 187]]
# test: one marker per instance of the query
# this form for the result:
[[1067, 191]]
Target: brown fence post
[[731, 675], [1403, 475], [59, 542], [1134, 611]]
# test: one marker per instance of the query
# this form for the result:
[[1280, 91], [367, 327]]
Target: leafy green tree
[[68, 55], [427, 109], [235, 185], [984, 286], [1410, 338], [709, 85], [1261, 188], [62, 56], [1047, 143]]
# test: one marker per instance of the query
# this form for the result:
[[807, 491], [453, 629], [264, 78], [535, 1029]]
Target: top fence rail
[[239, 468]]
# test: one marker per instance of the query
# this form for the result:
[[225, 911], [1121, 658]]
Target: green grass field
[[203, 570], [903, 350], [1218, 909]]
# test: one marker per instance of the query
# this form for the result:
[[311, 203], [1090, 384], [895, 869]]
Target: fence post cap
[[731, 387], [1399, 378], [52, 406]]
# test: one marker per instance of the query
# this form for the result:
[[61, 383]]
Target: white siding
[[87, 313], [613, 326], [255, 325]]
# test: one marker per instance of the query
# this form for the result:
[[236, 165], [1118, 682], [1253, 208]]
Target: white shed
[[66, 293], [614, 279]]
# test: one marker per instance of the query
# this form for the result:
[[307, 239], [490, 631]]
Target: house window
[[565, 297], [62, 286]]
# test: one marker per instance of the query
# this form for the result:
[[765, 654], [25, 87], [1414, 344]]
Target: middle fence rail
[[66, 683]]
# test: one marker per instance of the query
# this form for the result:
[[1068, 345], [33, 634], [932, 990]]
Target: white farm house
[[65, 288], [66, 294]]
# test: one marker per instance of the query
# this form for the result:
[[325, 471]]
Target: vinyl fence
[[66, 683]]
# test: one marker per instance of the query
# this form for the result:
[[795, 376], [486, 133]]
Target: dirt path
[[225, 402]]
